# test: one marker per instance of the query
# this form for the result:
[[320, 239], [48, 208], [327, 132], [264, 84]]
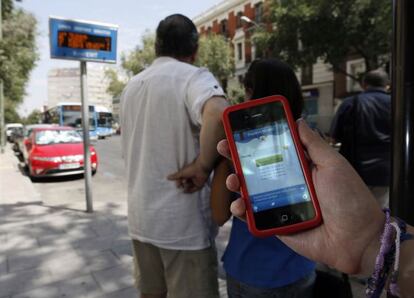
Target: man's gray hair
[[376, 78]]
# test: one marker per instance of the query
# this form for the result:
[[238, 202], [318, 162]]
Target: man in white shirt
[[170, 118]]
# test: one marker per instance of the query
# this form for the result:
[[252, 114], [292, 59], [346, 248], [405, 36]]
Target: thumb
[[318, 150], [175, 176]]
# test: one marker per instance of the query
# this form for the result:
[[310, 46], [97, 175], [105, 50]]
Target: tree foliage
[[10, 112], [142, 57], [214, 53], [305, 30], [18, 52], [131, 64], [33, 118]]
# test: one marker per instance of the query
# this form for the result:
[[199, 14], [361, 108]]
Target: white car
[[11, 129]]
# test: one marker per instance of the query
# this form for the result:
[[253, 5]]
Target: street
[[107, 185]]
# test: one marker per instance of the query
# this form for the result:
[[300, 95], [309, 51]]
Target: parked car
[[12, 129], [21, 138], [57, 151]]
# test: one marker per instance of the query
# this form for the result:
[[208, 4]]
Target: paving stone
[[70, 238], [29, 259], [105, 278], [81, 231], [124, 249], [125, 293], [104, 227], [99, 260], [13, 283], [15, 243], [65, 268], [101, 243], [222, 288], [84, 286], [3, 265]]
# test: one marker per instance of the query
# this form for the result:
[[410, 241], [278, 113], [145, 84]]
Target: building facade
[[237, 19], [64, 86]]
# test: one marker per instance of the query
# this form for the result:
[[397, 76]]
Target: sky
[[133, 17]]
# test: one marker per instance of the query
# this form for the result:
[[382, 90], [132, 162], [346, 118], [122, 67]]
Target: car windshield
[[47, 137]]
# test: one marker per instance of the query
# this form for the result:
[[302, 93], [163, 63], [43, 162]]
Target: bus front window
[[105, 119], [74, 119]]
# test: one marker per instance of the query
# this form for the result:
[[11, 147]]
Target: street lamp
[[249, 21]]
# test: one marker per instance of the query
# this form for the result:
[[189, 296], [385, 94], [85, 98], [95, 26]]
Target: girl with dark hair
[[261, 267]]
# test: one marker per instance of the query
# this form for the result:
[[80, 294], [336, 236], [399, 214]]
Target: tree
[[131, 64], [18, 55], [33, 118], [10, 113], [305, 30], [214, 53], [18, 52]]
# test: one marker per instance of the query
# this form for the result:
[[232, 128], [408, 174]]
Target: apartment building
[[237, 19], [64, 86]]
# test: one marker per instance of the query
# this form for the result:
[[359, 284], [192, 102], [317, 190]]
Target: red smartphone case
[[302, 159]]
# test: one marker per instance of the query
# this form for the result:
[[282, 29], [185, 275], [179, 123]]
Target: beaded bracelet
[[388, 255], [382, 263], [401, 235]]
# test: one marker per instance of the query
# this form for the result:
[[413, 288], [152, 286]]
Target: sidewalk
[[47, 251]]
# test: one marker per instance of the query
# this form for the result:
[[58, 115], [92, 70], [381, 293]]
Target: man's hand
[[352, 219], [191, 177]]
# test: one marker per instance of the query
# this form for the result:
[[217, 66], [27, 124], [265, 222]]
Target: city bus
[[70, 114], [104, 122]]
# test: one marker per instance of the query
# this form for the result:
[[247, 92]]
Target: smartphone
[[269, 160]]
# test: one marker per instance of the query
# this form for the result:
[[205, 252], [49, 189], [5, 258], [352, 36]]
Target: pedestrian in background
[[261, 267], [362, 125], [170, 118]]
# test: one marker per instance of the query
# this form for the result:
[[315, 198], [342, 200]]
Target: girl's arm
[[220, 197]]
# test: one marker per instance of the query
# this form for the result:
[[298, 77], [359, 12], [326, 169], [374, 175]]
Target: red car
[[56, 151]]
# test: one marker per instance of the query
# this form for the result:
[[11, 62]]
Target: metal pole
[[85, 126], [402, 184], [2, 133]]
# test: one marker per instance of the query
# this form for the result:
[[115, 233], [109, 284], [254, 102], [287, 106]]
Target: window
[[356, 68], [239, 23], [223, 28], [258, 13], [239, 51], [307, 75]]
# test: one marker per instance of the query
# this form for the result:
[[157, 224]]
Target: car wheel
[[20, 157], [30, 173]]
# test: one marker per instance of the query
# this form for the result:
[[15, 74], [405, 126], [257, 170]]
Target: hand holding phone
[[273, 171]]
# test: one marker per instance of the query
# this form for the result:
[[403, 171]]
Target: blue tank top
[[262, 262]]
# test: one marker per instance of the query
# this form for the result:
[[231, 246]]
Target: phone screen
[[272, 172]]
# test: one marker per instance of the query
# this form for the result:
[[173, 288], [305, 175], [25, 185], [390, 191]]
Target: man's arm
[[211, 131], [193, 176]]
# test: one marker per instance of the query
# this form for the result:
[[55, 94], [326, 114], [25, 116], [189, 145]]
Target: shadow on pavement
[[49, 251]]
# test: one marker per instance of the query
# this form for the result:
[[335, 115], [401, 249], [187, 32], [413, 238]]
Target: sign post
[[85, 123], [83, 41]]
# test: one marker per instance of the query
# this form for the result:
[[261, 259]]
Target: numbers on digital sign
[[83, 41]]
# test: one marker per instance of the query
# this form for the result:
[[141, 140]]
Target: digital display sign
[[82, 40], [75, 40]]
